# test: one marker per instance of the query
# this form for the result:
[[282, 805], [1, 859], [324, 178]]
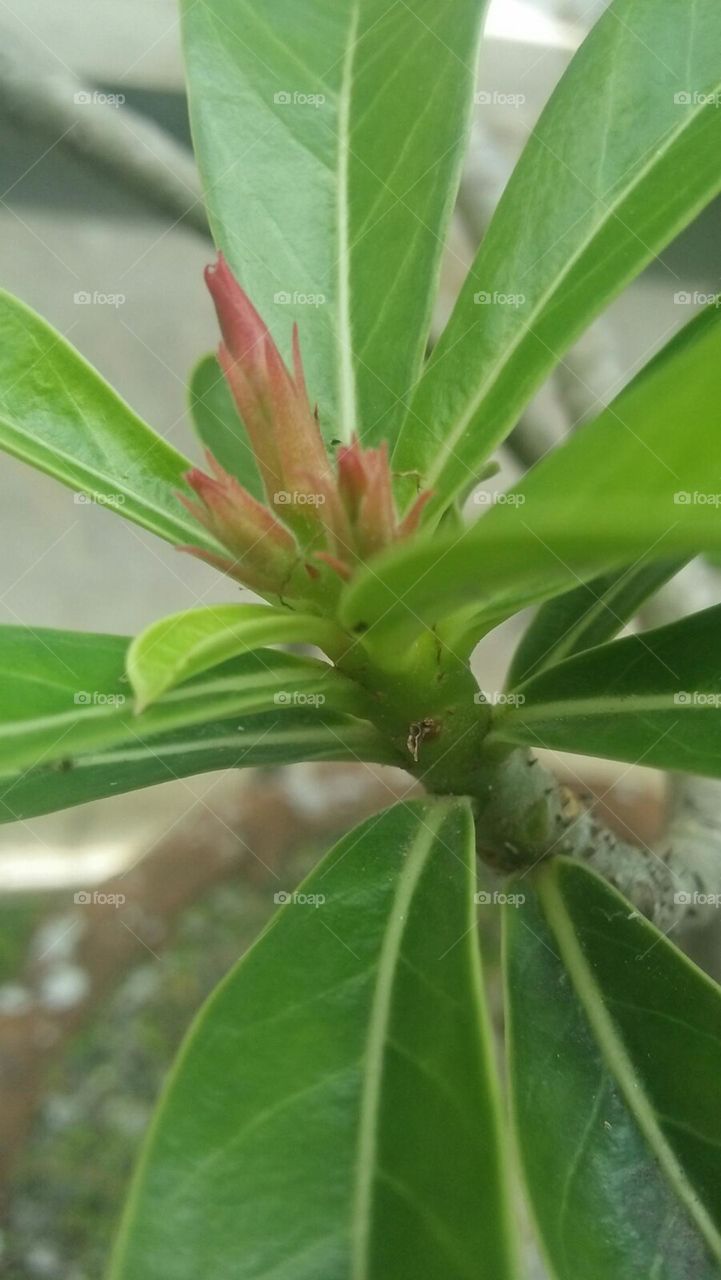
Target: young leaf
[[255, 741], [185, 644], [635, 485], [59, 415], [216, 421], [653, 697], [358, 111], [614, 1056], [586, 617], [590, 203], [333, 1111], [64, 693]]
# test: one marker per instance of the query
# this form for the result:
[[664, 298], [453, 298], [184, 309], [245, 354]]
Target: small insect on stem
[[418, 733]]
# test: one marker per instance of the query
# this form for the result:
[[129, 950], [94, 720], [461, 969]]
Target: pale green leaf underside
[[627, 151], [329, 138], [615, 1049], [64, 694], [243, 742], [58, 414], [186, 644], [332, 1112]]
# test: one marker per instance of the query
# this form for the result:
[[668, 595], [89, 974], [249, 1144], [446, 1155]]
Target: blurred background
[[102, 231]]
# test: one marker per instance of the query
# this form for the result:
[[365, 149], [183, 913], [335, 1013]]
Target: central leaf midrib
[[377, 1038], [616, 1057], [455, 435]]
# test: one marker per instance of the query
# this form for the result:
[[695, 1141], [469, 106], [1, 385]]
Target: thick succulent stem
[[525, 814]]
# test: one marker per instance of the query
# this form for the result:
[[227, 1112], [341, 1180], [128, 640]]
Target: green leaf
[[257, 740], [614, 1053], [653, 697], [330, 139], [586, 617], [216, 421], [636, 485], [333, 1111], [591, 202], [59, 415], [65, 693], [185, 644]]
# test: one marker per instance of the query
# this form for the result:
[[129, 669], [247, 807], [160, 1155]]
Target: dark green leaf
[[333, 1112], [615, 1055], [66, 693], [587, 616], [653, 698], [273, 739], [626, 153]]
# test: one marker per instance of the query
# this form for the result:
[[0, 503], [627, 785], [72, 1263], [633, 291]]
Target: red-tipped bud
[[339, 516], [263, 554], [273, 403]]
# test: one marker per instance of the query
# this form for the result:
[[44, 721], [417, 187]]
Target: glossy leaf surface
[[332, 1112], [615, 1052]]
